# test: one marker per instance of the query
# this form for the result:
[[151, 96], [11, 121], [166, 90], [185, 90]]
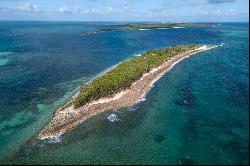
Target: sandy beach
[[66, 119]]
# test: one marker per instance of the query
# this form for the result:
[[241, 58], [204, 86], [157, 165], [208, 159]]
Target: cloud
[[96, 10], [110, 9], [27, 7], [78, 9], [232, 12], [154, 13], [5, 10], [184, 3], [91, 10], [218, 12], [205, 13], [215, 12], [220, 1], [126, 4], [162, 12], [24, 7], [121, 8], [64, 9]]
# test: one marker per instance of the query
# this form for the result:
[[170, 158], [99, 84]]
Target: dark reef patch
[[185, 161], [187, 98], [158, 138]]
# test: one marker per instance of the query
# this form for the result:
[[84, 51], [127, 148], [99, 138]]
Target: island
[[149, 26], [119, 87]]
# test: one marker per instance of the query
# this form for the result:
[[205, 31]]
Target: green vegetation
[[127, 72], [134, 27], [166, 25]]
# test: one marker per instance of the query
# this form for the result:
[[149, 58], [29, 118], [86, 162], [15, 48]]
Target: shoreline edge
[[67, 119]]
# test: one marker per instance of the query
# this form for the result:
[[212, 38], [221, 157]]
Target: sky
[[126, 10]]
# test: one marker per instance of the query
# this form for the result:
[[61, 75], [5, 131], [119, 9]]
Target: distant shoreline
[[150, 26], [70, 117]]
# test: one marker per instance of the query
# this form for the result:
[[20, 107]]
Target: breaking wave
[[113, 118]]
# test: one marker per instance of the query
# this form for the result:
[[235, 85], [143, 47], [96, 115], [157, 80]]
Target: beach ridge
[[66, 119]]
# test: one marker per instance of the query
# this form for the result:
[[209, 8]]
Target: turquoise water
[[195, 114]]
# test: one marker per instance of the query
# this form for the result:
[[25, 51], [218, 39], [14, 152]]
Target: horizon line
[[127, 21]]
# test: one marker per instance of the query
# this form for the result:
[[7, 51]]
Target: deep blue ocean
[[198, 113]]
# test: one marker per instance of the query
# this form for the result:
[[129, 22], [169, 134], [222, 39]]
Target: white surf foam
[[53, 139], [142, 99], [113, 118], [178, 27]]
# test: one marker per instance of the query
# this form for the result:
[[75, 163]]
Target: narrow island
[[149, 26], [120, 87]]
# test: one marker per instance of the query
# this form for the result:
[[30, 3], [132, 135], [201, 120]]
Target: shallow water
[[195, 114]]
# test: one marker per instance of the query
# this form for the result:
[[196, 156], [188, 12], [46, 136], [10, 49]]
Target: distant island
[[148, 26], [120, 87]]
